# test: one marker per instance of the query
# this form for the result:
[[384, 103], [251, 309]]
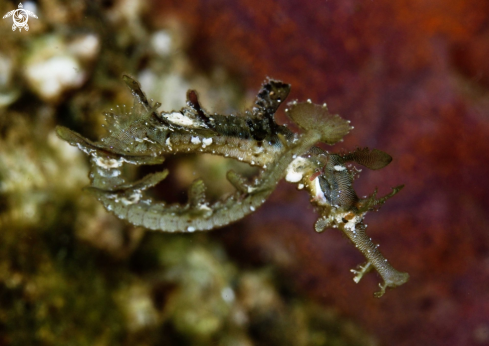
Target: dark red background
[[413, 77]]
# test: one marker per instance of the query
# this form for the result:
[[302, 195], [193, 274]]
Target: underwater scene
[[244, 173]]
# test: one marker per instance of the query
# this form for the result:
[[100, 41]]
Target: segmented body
[[143, 136]]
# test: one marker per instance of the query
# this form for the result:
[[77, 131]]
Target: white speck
[[145, 139], [161, 42], [206, 142], [258, 150], [168, 143], [191, 229], [252, 208], [85, 47], [309, 101], [204, 207], [51, 77], [178, 118], [132, 199], [108, 163], [300, 186], [195, 140], [115, 173], [339, 168], [227, 294], [295, 170], [293, 176]]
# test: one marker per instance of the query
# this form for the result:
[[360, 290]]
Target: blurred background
[[413, 78]]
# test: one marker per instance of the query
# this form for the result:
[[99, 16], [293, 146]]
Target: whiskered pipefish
[[144, 136]]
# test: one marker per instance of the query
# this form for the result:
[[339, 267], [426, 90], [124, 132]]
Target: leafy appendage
[[371, 202], [372, 159], [238, 182], [313, 117]]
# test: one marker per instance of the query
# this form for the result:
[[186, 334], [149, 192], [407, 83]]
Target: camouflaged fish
[[144, 136]]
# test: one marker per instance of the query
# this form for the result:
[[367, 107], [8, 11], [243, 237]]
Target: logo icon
[[21, 17]]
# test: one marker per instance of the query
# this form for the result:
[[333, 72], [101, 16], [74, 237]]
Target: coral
[[143, 136]]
